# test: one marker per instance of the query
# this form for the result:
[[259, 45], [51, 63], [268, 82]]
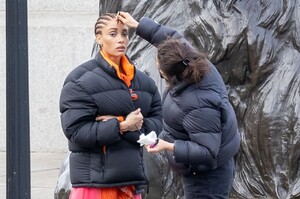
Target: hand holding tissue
[[149, 139]]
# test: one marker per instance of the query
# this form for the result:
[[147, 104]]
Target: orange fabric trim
[[133, 95], [117, 192], [104, 149], [121, 119], [127, 67]]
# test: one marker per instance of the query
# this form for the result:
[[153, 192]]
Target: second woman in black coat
[[200, 135]]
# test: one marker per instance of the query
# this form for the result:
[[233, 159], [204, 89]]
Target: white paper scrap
[[147, 139]]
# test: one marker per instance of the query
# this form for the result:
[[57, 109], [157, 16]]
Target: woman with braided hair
[[105, 104], [200, 136]]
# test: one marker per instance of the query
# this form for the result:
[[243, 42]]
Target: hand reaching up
[[127, 19]]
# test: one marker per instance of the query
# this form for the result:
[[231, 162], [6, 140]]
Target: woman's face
[[114, 39], [161, 73]]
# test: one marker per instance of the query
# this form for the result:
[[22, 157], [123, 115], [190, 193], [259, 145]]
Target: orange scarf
[[127, 67]]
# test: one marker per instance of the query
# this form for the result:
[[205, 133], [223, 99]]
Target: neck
[[116, 60]]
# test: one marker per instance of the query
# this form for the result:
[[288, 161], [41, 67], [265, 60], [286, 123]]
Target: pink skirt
[[103, 193]]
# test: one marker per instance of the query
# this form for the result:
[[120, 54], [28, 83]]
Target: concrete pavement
[[44, 174]]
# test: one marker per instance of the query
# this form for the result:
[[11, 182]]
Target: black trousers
[[214, 184]]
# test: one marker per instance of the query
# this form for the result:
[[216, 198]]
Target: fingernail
[[153, 145]]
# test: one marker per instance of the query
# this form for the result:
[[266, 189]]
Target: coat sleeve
[[154, 120], [204, 128], [154, 32], [78, 113]]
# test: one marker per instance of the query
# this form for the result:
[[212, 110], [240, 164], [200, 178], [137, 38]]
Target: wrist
[[135, 24], [170, 147], [123, 127]]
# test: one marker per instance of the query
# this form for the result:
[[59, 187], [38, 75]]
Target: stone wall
[[60, 37]]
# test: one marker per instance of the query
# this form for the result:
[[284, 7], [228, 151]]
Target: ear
[[99, 39]]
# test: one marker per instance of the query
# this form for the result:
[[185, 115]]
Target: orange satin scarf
[[127, 72]]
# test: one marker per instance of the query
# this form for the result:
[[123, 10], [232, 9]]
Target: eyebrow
[[115, 29]]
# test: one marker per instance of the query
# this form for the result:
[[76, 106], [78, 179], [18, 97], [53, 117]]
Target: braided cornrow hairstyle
[[102, 21]]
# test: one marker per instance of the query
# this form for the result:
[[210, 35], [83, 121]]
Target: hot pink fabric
[[91, 193]]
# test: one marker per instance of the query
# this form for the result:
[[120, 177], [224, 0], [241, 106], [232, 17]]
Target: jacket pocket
[[123, 163], [179, 168]]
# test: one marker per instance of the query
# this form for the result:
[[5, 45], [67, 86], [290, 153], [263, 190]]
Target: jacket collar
[[179, 88], [104, 65]]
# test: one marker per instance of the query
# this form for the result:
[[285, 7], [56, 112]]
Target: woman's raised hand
[[127, 19]]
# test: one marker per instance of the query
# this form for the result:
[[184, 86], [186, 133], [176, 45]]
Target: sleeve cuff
[[180, 151], [121, 118]]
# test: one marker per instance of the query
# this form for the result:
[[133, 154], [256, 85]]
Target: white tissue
[[147, 139]]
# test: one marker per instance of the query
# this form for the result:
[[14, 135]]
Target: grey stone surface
[[44, 174], [60, 37]]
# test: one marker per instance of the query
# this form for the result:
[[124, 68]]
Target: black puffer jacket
[[198, 118], [92, 89]]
